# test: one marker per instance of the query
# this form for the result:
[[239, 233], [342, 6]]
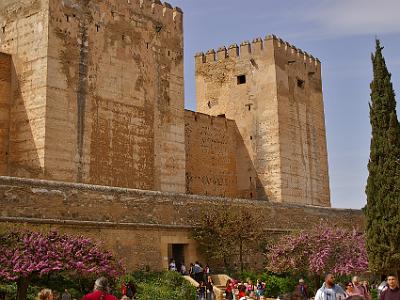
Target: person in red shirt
[[100, 291]]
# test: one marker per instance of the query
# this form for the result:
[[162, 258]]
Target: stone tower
[[95, 93], [273, 91]]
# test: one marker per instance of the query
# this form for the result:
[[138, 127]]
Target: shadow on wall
[[249, 185], [26, 128]]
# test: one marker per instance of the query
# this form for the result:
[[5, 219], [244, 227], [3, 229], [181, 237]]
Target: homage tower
[[273, 91]]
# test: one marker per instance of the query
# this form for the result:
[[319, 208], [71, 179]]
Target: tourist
[[349, 289], [260, 289], [302, 289], [393, 291], [210, 288], [101, 291], [359, 289], [172, 265], [191, 270], [183, 269], [229, 290], [242, 292], [207, 271], [45, 294], [250, 288], [198, 272], [330, 290], [66, 295], [201, 291], [130, 290]]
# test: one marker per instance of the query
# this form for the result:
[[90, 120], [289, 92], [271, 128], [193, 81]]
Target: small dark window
[[300, 83], [147, 45], [67, 18], [123, 37], [97, 27], [241, 79], [221, 115], [3, 29], [209, 104], [251, 137], [251, 195]]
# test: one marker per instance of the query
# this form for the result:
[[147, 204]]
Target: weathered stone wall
[[5, 101], [98, 95], [284, 156], [139, 225], [118, 88], [252, 105], [23, 34], [210, 155], [302, 137]]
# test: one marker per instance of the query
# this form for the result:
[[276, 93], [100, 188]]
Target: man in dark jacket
[[392, 292]]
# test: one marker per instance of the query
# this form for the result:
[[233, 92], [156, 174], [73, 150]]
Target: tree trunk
[[241, 255], [22, 287]]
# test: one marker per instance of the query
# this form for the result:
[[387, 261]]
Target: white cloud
[[354, 17]]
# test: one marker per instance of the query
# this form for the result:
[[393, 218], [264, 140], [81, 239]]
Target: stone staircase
[[219, 284]]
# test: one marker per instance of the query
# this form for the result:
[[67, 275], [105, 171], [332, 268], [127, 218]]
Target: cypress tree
[[383, 187]]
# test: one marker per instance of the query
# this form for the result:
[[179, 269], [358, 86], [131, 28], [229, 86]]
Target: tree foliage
[[29, 254], [321, 249], [383, 186], [228, 233]]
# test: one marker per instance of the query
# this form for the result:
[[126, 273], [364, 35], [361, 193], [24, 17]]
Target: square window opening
[[241, 79]]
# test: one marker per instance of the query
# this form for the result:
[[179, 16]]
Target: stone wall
[[23, 34], [5, 101], [139, 225], [98, 95], [284, 156], [210, 155], [302, 137]]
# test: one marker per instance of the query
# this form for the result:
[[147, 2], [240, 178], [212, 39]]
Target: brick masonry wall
[[136, 224], [210, 155]]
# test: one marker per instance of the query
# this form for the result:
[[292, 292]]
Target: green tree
[[383, 187], [229, 233]]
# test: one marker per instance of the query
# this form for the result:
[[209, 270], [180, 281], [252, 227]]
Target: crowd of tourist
[[330, 290], [236, 290]]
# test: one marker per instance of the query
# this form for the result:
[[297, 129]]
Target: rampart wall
[[139, 225]]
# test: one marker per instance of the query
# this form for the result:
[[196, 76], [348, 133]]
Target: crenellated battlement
[[292, 51], [119, 9], [256, 47], [159, 9]]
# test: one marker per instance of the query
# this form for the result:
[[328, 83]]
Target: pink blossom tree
[[321, 249], [25, 255]]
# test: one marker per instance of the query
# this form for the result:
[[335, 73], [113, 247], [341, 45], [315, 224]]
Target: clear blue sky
[[341, 34]]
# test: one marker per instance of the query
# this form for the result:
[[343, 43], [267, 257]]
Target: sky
[[341, 33]]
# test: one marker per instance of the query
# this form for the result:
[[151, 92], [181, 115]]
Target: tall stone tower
[[273, 91], [95, 92]]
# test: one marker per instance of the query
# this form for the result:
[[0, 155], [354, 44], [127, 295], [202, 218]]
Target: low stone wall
[[140, 225]]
